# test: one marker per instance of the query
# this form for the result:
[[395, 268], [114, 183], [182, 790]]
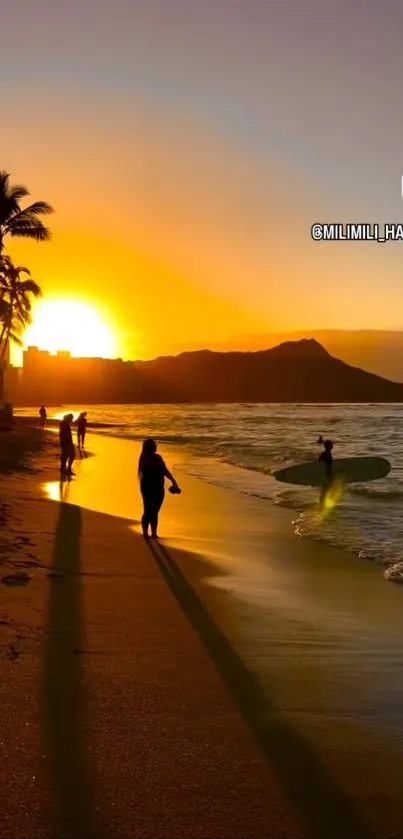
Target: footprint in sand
[[16, 579]]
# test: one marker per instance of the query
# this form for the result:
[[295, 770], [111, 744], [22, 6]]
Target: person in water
[[43, 415], [68, 452], [326, 457], [81, 429], [152, 472]]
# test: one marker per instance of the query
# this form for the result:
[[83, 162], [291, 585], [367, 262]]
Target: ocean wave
[[345, 535], [376, 493], [234, 485], [250, 467], [273, 460], [293, 500], [178, 439], [394, 573]]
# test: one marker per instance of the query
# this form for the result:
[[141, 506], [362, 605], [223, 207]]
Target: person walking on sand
[[68, 452], [43, 415], [152, 472], [81, 429]]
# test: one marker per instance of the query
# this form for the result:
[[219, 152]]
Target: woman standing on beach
[[152, 473]]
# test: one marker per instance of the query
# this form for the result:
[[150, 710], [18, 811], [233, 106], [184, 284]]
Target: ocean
[[238, 446]]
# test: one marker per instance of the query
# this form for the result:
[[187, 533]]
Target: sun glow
[[332, 498], [73, 326]]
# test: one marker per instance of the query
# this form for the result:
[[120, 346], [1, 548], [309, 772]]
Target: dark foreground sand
[[126, 709]]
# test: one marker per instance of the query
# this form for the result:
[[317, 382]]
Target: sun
[[70, 325]]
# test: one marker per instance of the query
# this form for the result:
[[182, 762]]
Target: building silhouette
[[55, 379]]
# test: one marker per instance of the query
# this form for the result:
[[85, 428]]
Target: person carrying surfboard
[[326, 457]]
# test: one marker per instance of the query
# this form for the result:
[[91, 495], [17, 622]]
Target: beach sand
[[232, 681]]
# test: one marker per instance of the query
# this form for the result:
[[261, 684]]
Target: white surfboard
[[349, 470]]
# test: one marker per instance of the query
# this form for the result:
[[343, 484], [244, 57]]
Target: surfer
[[326, 457]]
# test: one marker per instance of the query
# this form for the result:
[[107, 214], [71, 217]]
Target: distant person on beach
[[68, 452], [81, 429], [326, 457], [152, 472], [43, 415]]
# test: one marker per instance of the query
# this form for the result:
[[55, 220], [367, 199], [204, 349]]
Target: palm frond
[[6, 261], [22, 307], [9, 197], [4, 310], [30, 287], [25, 226], [21, 269], [15, 193], [39, 208], [16, 221], [12, 336], [8, 269], [4, 181]]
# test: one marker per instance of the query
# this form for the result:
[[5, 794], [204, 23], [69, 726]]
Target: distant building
[[61, 379], [12, 383]]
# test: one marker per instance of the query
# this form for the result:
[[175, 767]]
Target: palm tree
[[16, 295], [16, 298], [16, 221]]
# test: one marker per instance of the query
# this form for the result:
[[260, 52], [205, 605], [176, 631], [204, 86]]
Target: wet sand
[[234, 681]]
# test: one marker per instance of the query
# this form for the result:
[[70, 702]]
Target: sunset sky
[[187, 148]]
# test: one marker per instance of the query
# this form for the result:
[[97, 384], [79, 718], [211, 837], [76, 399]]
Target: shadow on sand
[[64, 701], [325, 809]]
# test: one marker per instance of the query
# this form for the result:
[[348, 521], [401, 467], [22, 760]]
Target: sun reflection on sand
[[57, 490]]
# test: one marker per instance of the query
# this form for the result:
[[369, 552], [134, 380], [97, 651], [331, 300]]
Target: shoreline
[[391, 567], [289, 629]]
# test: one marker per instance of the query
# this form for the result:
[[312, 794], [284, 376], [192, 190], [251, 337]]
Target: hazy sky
[[188, 147]]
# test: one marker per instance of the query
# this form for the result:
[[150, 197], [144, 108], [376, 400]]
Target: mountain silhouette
[[295, 371]]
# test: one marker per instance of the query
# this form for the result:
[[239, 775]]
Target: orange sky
[[187, 166]]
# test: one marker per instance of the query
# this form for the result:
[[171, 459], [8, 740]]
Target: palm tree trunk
[[5, 332], [2, 335], [6, 341], [3, 345]]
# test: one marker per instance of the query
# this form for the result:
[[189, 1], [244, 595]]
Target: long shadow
[[326, 810], [64, 701]]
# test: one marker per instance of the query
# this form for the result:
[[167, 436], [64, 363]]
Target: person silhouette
[[326, 457], [152, 472], [68, 451], [43, 415], [81, 429]]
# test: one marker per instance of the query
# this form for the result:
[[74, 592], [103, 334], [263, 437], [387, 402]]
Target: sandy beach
[[232, 681]]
